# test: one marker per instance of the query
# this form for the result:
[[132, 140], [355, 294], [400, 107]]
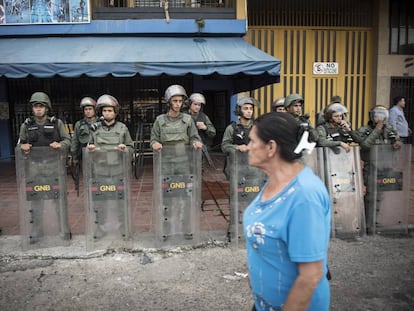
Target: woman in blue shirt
[[287, 226]]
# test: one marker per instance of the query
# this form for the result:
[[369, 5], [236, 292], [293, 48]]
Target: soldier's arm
[[323, 140], [356, 137], [128, 140], [367, 140], [193, 133], [22, 135], [227, 142], [155, 133], [65, 140], [211, 130]]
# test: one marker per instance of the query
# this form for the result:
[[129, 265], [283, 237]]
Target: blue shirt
[[398, 121], [292, 227]]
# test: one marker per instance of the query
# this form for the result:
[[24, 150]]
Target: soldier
[[236, 135], [172, 136], [320, 119], [175, 128], [81, 132], [294, 105], [41, 130], [377, 132], [109, 132], [109, 135], [336, 131], [278, 105], [205, 127], [80, 136]]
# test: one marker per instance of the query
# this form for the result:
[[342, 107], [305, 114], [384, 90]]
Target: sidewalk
[[214, 213]]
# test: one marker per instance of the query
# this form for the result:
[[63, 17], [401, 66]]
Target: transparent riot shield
[[245, 184], [315, 160], [41, 180], [343, 177], [106, 176], [177, 195], [388, 191]]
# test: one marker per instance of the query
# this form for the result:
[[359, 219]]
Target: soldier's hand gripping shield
[[343, 178], [245, 184], [177, 194], [41, 180], [388, 190], [108, 214]]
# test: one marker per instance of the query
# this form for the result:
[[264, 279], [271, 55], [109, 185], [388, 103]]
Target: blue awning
[[228, 57]]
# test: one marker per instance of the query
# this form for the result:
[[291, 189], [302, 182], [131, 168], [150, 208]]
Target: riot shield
[[177, 195], [388, 191], [315, 160], [106, 174], [245, 183], [41, 180], [343, 177]]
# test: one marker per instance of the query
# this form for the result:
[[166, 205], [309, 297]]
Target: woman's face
[[258, 150]]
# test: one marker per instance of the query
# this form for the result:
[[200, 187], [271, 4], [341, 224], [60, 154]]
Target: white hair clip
[[304, 144]]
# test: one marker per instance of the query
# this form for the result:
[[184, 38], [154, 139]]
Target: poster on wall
[[20, 12]]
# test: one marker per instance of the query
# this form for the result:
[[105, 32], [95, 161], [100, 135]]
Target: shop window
[[401, 27]]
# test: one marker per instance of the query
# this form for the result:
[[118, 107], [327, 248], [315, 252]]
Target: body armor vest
[[337, 134], [240, 134], [175, 130], [42, 135]]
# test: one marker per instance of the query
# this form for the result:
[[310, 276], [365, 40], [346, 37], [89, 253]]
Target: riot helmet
[[277, 103], [335, 108], [243, 101], [87, 101], [41, 98], [174, 90], [378, 113], [107, 101], [197, 98], [293, 98], [336, 99]]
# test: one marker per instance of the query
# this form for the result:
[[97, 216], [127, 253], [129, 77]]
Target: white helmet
[[174, 90], [197, 98]]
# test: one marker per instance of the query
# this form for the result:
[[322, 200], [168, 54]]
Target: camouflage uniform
[[42, 134], [178, 132], [80, 137], [108, 167], [370, 135]]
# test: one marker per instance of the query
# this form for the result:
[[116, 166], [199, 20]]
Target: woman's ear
[[271, 148]]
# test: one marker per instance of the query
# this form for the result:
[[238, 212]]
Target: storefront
[[136, 70]]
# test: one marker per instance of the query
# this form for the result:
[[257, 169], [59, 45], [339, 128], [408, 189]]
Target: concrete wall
[[387, 65]]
